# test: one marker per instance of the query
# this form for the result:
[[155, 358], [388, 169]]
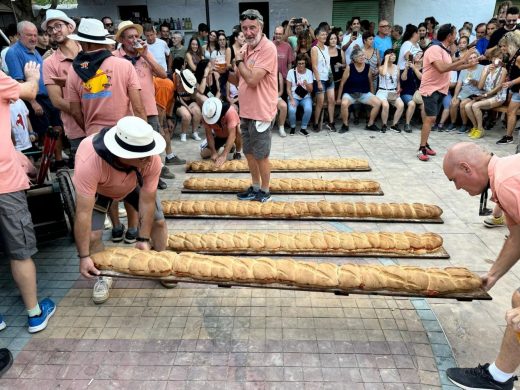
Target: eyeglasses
[[302, 63], [384, 26], [109, 24], [248, 16], [56, 27]]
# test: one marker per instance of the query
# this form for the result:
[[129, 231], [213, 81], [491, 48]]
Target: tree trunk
[[23, 10]]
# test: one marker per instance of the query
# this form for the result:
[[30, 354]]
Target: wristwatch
[[237, 62]]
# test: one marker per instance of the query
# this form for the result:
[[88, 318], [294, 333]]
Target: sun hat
[[211, 110], [92, 31], [132, 137], [125, 25], [55, 14], [188, 79]]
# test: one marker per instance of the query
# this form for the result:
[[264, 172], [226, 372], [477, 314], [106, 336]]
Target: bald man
[[473, 169]]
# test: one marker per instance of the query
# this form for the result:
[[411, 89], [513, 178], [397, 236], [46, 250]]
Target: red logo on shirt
[[84, 65], [19, 121]]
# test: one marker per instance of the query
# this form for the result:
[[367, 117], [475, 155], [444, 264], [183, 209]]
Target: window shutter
[[344, 10]]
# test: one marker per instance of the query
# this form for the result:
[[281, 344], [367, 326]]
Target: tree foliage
[[23, 8]]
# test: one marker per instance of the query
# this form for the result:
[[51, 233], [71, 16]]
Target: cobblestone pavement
[[199, 336]]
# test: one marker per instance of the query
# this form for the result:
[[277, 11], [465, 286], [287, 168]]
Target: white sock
[[35, 311], [171, 155], [498, 374], [282, 128]]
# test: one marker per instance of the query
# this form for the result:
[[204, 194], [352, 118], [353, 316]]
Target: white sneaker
[[122, 211], [108, 224], [282, 132], [195, 136], [183, 137], [101, 290]]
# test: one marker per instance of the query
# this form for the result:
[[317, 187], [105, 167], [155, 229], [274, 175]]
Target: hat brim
[[106, 41], [185, 86], [138, 27], [66, 20], [214, 119], [119, 151]]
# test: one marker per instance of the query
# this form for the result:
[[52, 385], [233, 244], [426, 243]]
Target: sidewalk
[[200, 337]]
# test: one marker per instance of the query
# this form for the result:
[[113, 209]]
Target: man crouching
[[119, 163]]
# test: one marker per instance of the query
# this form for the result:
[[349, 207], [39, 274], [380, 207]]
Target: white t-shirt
[[408, 46], [5, 69], [300, 78], [19, 126], [160, 51], [358, 41]]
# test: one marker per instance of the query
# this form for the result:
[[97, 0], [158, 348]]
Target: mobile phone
[[354, 34], [298, 20], [410, 57]]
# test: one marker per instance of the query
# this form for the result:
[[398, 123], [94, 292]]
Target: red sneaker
[[430, 151], [421, 155]]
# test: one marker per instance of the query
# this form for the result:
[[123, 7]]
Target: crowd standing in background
[[96, 81]]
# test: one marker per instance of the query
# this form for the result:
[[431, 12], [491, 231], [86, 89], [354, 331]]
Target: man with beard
[[55, 69], [256, 72]]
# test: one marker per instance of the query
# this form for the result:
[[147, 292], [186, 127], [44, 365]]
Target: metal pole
[[207, 13], [14, 13]]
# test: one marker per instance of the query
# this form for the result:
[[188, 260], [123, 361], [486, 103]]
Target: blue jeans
[[306, 103]]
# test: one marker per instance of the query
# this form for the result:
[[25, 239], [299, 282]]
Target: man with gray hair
[[42, 113], [255, 73]]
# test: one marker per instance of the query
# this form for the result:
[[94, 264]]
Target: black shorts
[[433, 103], [50, 117]]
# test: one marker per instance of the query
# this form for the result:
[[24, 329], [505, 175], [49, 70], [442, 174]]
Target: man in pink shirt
[[121, 163], [256, 69], [435, 82], [16, 228], [285, 52], [129, 35], [101, 88], [475, 170], [56, 68]]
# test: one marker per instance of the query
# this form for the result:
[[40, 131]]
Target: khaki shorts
[[16, 227]]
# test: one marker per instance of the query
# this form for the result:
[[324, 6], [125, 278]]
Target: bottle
[[183, 24], [179, 24], [189, 25], [172, 25]]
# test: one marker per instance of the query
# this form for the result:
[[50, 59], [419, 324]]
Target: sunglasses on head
[[248, 16]]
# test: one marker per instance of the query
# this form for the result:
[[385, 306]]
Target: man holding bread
[[256, 72], [118, 163], [475, 170]]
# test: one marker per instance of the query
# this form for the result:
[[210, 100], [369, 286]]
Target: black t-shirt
[[497, 36]]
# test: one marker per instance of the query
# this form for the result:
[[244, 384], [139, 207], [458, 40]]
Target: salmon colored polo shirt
[[504, 180]]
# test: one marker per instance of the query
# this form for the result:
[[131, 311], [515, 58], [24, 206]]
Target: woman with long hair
[[410, 46], [424, 41], [371, 56], [512, 43], [194, 54], [337, 58], [388, 91], [304, 44], [209, 48], [236, 42]]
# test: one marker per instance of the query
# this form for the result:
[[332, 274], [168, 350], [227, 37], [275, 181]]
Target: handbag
[[300, 91], [417, 98]]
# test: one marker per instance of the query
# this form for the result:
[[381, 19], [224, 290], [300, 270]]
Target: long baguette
[[426, 281], [301, 209], [344, 164], [310, 242], [284, 185]]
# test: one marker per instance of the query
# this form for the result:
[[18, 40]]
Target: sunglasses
[[248, 16], [109, 24]]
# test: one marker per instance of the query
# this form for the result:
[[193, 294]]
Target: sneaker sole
[[43, 325], [167, 284], [493, 226], [130, 241], [3, 325], [466, 387], [248, 198], [101, 299], [117, 239]]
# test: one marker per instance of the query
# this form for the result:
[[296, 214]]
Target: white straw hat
[[188, 79], [133, 137], [92, 31], [56, 14], [211, 110]]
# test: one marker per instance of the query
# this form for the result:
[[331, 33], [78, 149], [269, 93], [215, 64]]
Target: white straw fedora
[[92, 31], [211, 110], [56, 14], [188, 79], [133, 137]]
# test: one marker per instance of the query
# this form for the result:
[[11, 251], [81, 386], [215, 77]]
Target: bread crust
[[283, 165], [284, 185], [301, 209], [307, 242], [426, 281]]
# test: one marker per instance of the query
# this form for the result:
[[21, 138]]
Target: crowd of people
[[117, 94]]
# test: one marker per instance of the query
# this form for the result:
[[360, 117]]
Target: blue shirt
[[382, 45], [482, 45], [16, 58]]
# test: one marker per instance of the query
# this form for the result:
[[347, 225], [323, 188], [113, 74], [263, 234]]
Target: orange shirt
[[104, 98], [504, 179], [145, 74], [12, 175], [259, 103], [57, 67], [94, 175], [229, 121], [433, 80], [164, 93]]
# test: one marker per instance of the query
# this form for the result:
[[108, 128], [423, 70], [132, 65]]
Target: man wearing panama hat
[[56, 67], [118, 163]]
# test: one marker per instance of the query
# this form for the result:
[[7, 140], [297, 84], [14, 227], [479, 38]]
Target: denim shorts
[[406, 99], [515, 97], [358, 97], [446, 102], [326, 84]]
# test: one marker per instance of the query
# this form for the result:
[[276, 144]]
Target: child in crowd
[[21, 129]]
